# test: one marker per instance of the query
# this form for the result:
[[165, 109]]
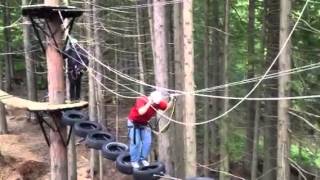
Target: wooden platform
[[17, 102], [47, 11]]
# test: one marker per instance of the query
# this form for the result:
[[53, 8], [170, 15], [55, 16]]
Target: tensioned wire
[[242, 99], [202, 95]]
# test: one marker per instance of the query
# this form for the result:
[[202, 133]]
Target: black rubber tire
[[123, 163], [97, 139], [199, 178], [148, 172], [82, 129], [70, 117], [113, 149]]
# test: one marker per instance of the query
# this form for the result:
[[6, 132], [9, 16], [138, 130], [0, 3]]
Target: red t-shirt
[[143, 119]]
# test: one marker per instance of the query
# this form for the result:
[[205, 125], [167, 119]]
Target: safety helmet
[[156, 97]]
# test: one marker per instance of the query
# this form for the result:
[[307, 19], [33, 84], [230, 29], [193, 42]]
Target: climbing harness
[[136, 127]]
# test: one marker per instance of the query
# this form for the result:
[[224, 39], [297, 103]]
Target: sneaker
[[135, 165], [145, 163]]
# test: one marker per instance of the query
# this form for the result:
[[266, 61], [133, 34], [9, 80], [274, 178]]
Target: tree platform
[[20, 103]]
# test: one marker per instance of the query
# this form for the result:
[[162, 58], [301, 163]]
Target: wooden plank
[[17, 102]]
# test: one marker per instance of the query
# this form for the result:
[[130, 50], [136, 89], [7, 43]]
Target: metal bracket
[[42, 121], [37, 28]]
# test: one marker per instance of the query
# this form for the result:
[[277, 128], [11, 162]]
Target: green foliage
[[305, 156], [236, 146]]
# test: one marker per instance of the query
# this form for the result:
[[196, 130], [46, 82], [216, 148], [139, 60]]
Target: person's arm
[[142, 110], [170, 103]]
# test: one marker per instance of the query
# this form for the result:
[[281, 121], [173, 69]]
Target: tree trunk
[[178, 161], [3, 120], [7, 45], [139, 49], [94, 163], [224, 154], [161, 74], [58, 152], [283, 168], [251, 104], [270, 114], [189, 104], [254, 164], [29, 60], [214, 75], [206, 141], [150, 17], [101, 108]]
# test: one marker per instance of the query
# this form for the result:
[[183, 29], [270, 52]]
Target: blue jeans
[[140, 145]]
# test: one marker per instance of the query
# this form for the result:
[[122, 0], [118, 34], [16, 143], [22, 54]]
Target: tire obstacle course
[[62, 114], [96, 138]]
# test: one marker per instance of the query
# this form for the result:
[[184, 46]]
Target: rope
[[166, 126], [232, 108]]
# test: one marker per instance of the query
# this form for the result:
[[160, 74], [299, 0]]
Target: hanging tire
[[95, 140], [70, 117], [199, 178], [113, 149], [149, 172], [123, 163], [84, 128]]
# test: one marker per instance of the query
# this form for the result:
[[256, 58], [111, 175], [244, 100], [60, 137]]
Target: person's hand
[[150, 101], [172, 97]]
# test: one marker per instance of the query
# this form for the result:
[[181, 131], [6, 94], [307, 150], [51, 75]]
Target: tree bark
[[251, 71], [30, 61], [7, 45], [178, 161], [72, 152], [161, 74], [101, 108], [3, 120], [224, 154], [283, 167], [139, 49], [206, 141], [270, 114], [58, 152], [254, 164], [94, 158], [214, 75], [189, 104]]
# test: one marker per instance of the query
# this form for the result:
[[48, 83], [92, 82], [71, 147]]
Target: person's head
[[156, 97]]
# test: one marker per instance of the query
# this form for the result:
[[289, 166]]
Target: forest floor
[[24, 154]]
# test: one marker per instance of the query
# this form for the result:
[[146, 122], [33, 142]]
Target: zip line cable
[[242, 99]]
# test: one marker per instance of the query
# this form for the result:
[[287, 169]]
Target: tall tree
[[30, 65], [214, 74], [100, 95], [206, 141], [161, 72], [94, 163], [250, 74], [189, 105], [271, 90], [3, 121], [58, 151], [7, 44], [223, 131], [178, 162], [139, 46], [283, 168]]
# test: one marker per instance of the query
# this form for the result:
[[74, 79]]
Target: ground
[[24, 154]]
